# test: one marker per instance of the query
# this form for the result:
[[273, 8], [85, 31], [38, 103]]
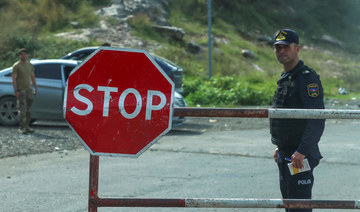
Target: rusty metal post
[[93, 183]]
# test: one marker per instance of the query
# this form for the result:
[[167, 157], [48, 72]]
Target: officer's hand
[[275, 155], [297, 160]]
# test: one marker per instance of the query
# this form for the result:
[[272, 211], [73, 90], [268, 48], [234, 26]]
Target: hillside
[[333, 22], [328, 31]]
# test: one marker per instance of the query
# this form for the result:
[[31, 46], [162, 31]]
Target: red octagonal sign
[[119, 102]]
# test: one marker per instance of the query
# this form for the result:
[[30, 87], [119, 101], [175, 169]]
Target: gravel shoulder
[[48, 137], [56, 136]]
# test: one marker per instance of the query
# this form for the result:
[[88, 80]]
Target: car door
[[48, 101], [66, 71]]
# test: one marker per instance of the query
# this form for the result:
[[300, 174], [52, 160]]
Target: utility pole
[[209, 38]]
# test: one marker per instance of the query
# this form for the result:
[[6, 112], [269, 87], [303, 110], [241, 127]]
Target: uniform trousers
[[24, 105], [298, 186]]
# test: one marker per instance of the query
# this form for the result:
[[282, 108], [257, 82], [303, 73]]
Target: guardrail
[[95, 201]]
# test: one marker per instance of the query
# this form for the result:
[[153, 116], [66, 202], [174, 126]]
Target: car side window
[[48, 71], [67, 71]]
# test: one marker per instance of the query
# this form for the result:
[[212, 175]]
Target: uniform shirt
[[305, 92], [24, 70]]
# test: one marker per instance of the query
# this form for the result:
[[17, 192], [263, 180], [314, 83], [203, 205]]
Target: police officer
[[296, 139]]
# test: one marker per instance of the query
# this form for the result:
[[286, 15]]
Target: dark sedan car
[[171, 69]]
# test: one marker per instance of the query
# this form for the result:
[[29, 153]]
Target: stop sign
[[119, 102]]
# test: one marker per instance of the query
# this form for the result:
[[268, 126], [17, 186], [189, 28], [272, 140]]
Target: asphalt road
[[196, 160]]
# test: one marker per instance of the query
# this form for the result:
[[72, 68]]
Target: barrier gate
[[95, 201]]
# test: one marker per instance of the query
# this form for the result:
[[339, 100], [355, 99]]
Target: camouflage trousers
[[24, 103]]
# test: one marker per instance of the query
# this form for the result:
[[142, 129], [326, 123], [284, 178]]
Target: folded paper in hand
[[294, 170]]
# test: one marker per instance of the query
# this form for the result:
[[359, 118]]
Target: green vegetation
[[228, 91], [31, 24], [236, 26]]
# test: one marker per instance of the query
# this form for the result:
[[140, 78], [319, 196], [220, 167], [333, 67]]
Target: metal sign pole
[[93, 183]]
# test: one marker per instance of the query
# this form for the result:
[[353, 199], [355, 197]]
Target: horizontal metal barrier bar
[[272, 203], [221, 112], [228, 203], [268, 113], [136, 202], [314, 113]]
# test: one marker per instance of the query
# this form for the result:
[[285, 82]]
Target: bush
[[227, 91]]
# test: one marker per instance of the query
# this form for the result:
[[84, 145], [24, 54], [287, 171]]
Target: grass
[[347, 97], [31, 25]]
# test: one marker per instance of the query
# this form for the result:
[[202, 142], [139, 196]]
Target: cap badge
[[281, 35]]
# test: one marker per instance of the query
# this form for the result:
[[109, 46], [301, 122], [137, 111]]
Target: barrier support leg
[[93, 183]]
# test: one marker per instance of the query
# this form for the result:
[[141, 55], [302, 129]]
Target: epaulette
[[306, 71]]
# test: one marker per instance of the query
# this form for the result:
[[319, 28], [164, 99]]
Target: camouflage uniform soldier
[[22, 75]]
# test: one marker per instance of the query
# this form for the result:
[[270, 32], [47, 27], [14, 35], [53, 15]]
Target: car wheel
[[8, 111]]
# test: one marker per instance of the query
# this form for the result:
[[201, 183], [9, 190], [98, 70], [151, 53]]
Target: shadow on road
[[50, 124], [179, 132], [189, 128]]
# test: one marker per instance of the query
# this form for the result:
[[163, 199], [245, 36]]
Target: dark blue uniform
[[299, 88]]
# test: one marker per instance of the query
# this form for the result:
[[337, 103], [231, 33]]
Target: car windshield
[[80, 54]]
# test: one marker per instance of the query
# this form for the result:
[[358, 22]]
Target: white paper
[[294, 170]]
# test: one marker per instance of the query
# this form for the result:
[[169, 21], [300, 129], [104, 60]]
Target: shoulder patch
[[306, 72], [313, 90]]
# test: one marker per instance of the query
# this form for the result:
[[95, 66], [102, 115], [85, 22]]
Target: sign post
[[118, 102]]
